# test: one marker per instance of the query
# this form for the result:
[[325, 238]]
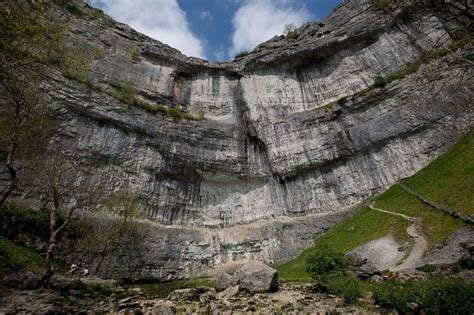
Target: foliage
[[128, 94], [324, 260], [379, 81], [77, 66], [327, 267], [338, 283], [290, 31], [17, 222], [32, 41], [133, 55], [111, 238], [14, 257], [292, 35], [70, 7], [433, 296], [381, 4]]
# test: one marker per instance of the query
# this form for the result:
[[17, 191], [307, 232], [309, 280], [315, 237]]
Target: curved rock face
[[269, 144]]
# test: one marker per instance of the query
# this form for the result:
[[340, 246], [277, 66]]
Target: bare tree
[[125, 209], [56, 175]]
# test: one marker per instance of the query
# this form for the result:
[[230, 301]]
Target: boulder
[[361, 267], [255, 276], [28, 281], [229, 292], [60, 284], [225, 280]]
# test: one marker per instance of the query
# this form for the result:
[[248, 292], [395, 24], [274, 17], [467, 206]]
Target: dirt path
[[418, 248]]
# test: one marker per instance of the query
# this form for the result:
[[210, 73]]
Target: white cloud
[[159, 19], [259, 20]]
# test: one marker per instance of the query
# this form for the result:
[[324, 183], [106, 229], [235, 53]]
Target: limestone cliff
[[273, 141]]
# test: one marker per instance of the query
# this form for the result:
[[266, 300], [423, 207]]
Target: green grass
[[447, 180], [161, 290], [14, 258], [364, 226], [436, 226], [134, 55]]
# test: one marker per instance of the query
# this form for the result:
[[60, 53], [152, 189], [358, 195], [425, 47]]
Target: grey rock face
[[221, 189], [255, 276], [268, 146], [458, 246]]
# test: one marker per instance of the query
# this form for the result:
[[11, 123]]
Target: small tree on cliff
[[56, 177]]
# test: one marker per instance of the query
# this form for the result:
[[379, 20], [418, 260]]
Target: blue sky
[[214, 29]]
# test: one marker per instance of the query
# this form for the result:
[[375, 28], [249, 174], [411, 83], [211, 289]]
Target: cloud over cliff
[[160, 19], [258, 20]]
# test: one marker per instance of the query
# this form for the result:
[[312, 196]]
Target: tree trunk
[[52, 228], [12, 171]]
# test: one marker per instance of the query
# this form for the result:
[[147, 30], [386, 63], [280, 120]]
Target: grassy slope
[[448, 180], [14, 257]]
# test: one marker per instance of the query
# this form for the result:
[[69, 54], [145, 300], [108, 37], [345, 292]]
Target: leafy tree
[[30, 43]]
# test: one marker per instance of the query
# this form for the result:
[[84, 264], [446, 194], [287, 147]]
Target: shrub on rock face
[[379, 81]]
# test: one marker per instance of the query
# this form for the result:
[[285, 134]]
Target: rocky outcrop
[[271, 143]]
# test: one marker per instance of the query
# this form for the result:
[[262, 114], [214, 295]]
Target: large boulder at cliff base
[[225, 280], [255, 276]]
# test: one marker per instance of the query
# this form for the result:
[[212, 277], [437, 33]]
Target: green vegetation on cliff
[[447, 180]]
